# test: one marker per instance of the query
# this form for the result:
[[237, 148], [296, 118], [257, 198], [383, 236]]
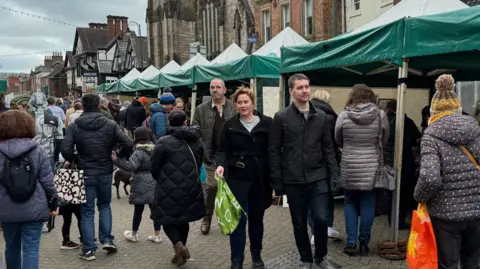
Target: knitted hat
[[143, 100], [167, 98], [445, 99]]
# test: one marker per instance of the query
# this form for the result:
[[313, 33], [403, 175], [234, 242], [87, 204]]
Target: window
[[285, 16], [356, 4], [308, 17], [267, 35]]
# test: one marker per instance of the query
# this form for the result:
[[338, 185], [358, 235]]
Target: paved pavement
[[207, 251]]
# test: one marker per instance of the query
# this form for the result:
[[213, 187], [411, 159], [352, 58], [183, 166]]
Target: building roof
[[104, 66], [472, 2], [69, 58], [92, 38], [57, 71], [140, 46]]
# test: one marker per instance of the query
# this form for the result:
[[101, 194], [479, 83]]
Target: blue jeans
[[359, 204], [22, 239], [100, 188], [255, 232]]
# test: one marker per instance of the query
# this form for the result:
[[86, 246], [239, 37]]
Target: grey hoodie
[[449, 182], [37, 207], [356, 132]]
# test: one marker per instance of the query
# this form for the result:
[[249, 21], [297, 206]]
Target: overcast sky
[[24, 34]]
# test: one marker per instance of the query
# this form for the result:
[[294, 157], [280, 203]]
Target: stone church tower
[[173, 24]]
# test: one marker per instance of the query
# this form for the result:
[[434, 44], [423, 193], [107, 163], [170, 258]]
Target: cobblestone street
[[207, 251]]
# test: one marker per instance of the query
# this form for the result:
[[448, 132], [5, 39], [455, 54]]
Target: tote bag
[[70, 186]]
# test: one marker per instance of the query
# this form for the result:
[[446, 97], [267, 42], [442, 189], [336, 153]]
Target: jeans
[[22, 244], [359, 203], [316, 197], [100, 188], [457, 242], [137, 218], [255, 232], [177, 232], [331, 209]]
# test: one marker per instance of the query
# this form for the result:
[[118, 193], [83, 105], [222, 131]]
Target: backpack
[[18, 177]]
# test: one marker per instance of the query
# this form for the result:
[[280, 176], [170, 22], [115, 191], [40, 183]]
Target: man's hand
[[114, 156]]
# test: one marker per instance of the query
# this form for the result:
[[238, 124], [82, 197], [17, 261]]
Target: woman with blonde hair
[[359, 131], [179, 104], [320, 99], [242, 159]]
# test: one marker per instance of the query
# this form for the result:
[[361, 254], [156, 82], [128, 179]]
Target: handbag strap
[[193, 156], [470, 156], [380, 139]]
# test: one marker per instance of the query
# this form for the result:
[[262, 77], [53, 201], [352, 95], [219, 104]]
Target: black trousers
[[56, 151], [177, 232], [457, 242], [316, 198], [67, 213]]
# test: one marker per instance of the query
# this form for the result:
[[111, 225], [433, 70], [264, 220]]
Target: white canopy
[[150, 72], [170, 67], [287, 37], [412, 8], [131, 76], [232, 53], [198, 59]]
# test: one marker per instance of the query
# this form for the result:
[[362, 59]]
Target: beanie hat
[[445, 99], [167, 98], [143, 100]]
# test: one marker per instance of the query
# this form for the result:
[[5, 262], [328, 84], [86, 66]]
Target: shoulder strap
[[380, 138], [470, 156], [193, 155]]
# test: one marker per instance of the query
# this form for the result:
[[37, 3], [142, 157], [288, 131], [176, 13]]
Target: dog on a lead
[[121, 176]]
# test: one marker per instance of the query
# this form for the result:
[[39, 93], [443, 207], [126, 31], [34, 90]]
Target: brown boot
[[180, 254], [205, 227], [187, 255]]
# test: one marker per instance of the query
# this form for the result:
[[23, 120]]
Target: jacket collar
[[311, 111]]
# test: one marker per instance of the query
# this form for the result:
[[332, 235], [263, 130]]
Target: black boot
[[257, 259], [364, 250], [237, 263]]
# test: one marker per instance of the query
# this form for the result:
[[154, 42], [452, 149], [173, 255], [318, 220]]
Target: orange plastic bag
[[422, 248]]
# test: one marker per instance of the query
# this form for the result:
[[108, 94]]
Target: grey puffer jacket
[[449, 182], [143, 185], [356, 132], [36, 208]]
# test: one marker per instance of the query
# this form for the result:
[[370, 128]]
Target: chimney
[[47, 61], [110, 27], [124, 24], [57, 57], [102, 26], [118, 26], [92, 25]]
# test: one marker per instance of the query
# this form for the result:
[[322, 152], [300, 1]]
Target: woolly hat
[[167, 98], [143, 100], [445, 99]]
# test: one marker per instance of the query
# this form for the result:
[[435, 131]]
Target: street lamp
[[140, 35]]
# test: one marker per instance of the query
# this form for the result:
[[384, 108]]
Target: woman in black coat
[[178, 200], [242, 159]]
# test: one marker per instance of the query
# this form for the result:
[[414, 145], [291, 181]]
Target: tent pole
[[253, 87], [399, 128], [193, 103], [282, 92]]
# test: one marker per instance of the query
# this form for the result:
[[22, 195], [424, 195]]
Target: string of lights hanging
[[3, 8], [49, 52]]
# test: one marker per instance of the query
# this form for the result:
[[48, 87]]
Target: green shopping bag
[[227, 208]]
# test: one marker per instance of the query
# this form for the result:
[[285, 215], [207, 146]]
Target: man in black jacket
[[301, 156], [135, 115], [94, 137]]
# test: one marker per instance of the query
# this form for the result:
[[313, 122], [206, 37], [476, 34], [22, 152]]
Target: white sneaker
[[332, 233], [155, 238], [130, 237], [44, 228], [312, 241]]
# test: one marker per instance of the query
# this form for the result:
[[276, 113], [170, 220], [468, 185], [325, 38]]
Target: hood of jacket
[[156, 108], [455, 129], [325, 107], [189, 134], [362, 114], [136, 103], [91, 120], [15, 147], [148, 147]]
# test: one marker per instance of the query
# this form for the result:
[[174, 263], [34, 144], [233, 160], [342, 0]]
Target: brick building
[[172, 25], [313, 19]]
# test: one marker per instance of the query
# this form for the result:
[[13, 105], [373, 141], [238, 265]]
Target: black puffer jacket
[[135, 115], [301, 151], [95, 137], [179, 195], [332, 120]]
